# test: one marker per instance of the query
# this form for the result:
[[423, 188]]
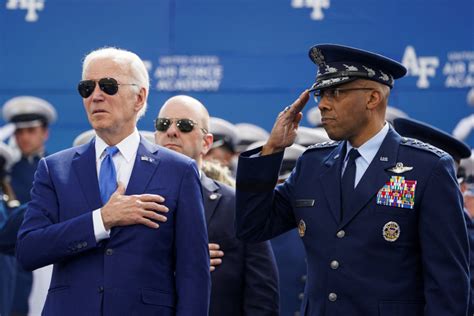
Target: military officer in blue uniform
[[380, 216], [32, 117], [458, 150]]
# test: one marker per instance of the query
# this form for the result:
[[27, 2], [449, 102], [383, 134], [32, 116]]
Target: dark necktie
[[108, 175], [348, 181]]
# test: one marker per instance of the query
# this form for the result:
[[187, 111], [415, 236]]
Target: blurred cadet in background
[[32, 117], [249, 134], [244, 277], [10, 219], [224, 147], [392, 113], [464, 127], [458, 150], [288, 248], [467, 185]]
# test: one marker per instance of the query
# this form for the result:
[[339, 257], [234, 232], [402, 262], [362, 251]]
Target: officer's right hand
[[125, 210], [284, 130]]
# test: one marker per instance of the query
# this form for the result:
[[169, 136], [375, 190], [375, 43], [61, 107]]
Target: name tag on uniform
[[304, 203]]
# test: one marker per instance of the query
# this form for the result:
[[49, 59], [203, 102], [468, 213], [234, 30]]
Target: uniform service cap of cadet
[[291, 155], [86, 137], [306, 136], [224, 132], [28, 111], [392, 113], [339, 64], [248, 134], [432, 135]]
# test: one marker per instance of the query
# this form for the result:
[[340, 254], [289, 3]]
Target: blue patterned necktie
[[348, 181], [108, 175]]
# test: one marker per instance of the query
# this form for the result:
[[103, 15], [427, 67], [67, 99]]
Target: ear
[[374, 99], [141, 97], [207, 141]]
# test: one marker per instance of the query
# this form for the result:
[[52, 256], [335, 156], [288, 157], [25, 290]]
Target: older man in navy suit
[[121, 219], [380, 215], [244, 277]]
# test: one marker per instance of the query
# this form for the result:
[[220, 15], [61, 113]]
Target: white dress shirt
[[367, 153], [123, 162]]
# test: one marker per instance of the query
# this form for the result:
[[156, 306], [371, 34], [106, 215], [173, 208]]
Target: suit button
[[341, 234], [100, 289], [301, 296], [334, 264], [109, 252], [304, 278], [332, 297]]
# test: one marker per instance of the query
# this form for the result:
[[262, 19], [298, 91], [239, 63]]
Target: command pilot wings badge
[[400, 168]]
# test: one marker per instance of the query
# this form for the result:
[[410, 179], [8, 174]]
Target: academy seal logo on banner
[[31, 6]]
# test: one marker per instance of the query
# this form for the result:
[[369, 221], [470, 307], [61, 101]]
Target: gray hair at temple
[[136, 67]]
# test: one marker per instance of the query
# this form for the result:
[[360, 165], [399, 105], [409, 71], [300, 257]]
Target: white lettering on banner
[[459, 70], [32, 6], [421, 67], [317, 5], [188, 73]]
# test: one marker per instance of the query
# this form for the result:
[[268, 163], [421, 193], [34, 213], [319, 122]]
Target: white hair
[[136, 67]]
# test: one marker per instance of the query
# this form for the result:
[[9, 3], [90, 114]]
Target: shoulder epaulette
[[327, 144], [412, 142]]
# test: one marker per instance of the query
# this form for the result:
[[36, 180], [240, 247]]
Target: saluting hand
[[125, 210], [284, 130]]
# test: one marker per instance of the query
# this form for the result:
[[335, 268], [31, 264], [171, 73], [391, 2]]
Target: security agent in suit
[[244, 276], [138, 250], [389, 238], [458, 150]]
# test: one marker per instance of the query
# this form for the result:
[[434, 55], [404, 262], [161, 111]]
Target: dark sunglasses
[[108, 85], [184, 125]]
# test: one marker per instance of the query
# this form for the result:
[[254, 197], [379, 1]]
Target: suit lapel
[[144, 168], [211, 196], [331, 181], [375, 176], [85, 160]]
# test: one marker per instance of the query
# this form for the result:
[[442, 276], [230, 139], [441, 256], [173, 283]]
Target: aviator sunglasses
[[108, 85], [184, 125]]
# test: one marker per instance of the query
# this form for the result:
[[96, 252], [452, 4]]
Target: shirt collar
[[127, 147], [370, 148]]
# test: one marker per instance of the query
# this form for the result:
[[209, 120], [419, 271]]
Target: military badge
[[397, 192], [301, 228], [391, 231], [318, 57], [400, 168]]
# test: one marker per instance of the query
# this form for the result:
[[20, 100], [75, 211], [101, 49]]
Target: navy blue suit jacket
[[246, 283], [359, 266], [138, 270]]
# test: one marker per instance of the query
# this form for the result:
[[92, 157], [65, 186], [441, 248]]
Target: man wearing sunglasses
[[121, 219], [244, 277], [380, 215]]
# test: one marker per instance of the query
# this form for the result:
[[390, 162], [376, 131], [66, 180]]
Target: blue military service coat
[[401, 249]]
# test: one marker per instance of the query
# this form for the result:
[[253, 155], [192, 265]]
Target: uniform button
[[100, 289], [332, 297], [341, 234], [301, 296], [109, 252], [304, 278], [334, 264], [297, 313], [84, 244]]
